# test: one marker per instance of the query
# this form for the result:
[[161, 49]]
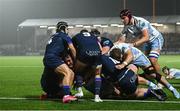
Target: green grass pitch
[[20, 78]]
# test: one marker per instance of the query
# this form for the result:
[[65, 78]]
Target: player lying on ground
[[171, 73]]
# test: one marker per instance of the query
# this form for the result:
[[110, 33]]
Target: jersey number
[[87, 34], [50, 40]]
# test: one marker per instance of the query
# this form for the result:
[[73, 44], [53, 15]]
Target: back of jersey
[[86, 44], [55, 46]]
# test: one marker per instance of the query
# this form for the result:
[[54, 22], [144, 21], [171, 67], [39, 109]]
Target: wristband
[[125, 63]]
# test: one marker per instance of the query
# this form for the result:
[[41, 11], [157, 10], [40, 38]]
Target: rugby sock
[[146, 94], [97, 84], [66, 90], [170, 87], [152, 85], [79, 81], [79, 89], [149, 83]]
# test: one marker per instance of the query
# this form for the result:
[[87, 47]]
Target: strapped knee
[[149, 70], [158, 77], [154, 54]]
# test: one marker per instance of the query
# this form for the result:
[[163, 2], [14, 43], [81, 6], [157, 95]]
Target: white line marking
[[19, 66], [106, 100], [142, 101]]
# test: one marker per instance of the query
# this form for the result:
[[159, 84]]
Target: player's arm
[[144, 38], [127, 58], [71, 47], [73, 50]]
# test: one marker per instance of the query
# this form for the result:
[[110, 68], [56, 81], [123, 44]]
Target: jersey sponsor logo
[[93, 53], [143, 24]]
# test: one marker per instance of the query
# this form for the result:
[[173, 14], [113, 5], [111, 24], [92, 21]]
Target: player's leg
[[142, 80], [143, 62], [50, 84], [79, 69], [98, 83], [150, 73], [127, 81], [153, 57], [68, 74], [145, 93]]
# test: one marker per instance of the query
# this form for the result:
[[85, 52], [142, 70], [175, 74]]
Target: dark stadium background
[[13, 12]]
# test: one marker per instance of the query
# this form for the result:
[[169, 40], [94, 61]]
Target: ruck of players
[[89, 61]]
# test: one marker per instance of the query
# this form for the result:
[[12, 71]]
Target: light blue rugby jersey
[[175, 73], [124, 47], [136, 29]]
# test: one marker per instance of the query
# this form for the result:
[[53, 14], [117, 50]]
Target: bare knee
[[154, 61]]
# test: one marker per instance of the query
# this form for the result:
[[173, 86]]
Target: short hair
[[95, 32], [83, 30], [126, 12], [165, 68], [116, 54], [61, 26]]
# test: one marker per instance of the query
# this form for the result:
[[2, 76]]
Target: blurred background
[[26, 25]]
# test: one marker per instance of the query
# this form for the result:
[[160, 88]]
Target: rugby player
[[138, 27], [88, 55], [59, 43], [106, 43]]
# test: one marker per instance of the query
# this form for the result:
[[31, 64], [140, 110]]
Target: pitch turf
[[20, 88]]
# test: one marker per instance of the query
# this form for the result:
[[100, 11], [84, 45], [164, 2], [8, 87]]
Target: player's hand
[[131, 44], [120, 66]]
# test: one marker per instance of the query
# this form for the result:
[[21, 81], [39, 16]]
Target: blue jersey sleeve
[[68, 39]]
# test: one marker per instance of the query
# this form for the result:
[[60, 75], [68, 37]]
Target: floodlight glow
[[114, 25], [79, 26], [177, 23], [43, 26], [70, 27], [104, 26], [121, 26], [98, 25], [51, 27], [87, 26], [153, 24], [157, 24]]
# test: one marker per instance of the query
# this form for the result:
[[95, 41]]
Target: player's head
[[165, 70], [126, 16], [83, 30], [68, 59], [62, 26], [116, 54], [95, 32]]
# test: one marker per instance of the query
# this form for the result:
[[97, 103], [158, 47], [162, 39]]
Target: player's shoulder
[[139, 18]]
